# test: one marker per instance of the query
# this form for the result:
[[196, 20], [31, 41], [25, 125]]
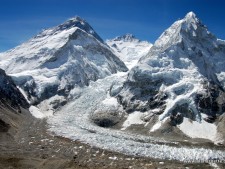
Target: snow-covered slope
[[59, 59], [183, 75], [129, 48]]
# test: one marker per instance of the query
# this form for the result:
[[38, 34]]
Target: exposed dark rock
[[211, 102], [104, 122], [210, 119], [146, 91], [12, 108], [9, 93], [106, 119], [176, 118], [4, 127]]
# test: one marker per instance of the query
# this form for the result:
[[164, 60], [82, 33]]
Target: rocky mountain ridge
[[12, 108]]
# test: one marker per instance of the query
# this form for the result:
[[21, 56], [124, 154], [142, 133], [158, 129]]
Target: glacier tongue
[[73, 121]]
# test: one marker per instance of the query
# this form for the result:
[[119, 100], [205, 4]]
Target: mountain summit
[[183, 29], [182, 77], [60, 59], [77, 22]]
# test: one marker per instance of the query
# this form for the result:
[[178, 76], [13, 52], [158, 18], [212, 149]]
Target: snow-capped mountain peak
[[182, 75], [43, 46], [71, 24], [80, 23], [186, 29], [59, 59], [191, 16], [191, 21]]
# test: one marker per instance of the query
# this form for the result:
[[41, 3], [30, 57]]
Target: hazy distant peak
[[127, 38]]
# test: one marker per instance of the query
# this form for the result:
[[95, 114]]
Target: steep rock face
[[183, 75], [12, 108], [59, 59], [10, 94], [129, 48]]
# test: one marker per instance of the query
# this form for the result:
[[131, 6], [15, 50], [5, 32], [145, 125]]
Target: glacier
[[73, 122]]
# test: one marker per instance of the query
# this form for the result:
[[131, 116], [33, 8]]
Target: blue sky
[[146, 19]]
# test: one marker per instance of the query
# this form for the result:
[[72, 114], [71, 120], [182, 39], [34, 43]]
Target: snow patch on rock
[[132, 119], [201, 129], [36, 112], [158, 124]]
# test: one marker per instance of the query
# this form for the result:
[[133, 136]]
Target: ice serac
[[129, 48], [182, 76], [59, 59]]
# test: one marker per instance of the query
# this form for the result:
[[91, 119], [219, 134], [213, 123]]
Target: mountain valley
[[71, 100]]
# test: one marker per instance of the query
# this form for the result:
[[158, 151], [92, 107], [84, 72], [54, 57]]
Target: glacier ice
[[73, 122]]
